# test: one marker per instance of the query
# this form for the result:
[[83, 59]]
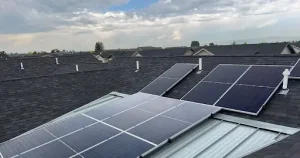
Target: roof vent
[[77, 69], [137, 66], [200, 66], [285, 90], [56, 61], [22, 67]]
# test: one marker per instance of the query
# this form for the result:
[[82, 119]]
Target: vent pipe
[[137, 65], [285, 74], [22, 67], [56, 61], [200, 64], [77, 68]]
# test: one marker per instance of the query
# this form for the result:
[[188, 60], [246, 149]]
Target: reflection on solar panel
[[295, 73], [128, 127], [240, 88], [169, 79]]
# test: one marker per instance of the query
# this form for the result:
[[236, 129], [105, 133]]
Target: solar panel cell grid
[[206, 92], [129, 133], [169, 79]]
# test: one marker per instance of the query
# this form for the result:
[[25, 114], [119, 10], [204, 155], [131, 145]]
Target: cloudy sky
[[27, 25]]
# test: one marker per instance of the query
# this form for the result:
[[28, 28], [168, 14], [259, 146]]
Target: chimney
[[137, 66], [77, 67], [56, 61], [200, 64], [285, 74], [22, 67]]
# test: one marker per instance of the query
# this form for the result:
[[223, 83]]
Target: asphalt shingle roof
[[246, 49], [28, 103], [41, 66]]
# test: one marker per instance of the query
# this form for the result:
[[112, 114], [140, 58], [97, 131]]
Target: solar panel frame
[[292, 76], [175, 83]]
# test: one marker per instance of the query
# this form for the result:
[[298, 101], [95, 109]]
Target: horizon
[[75, 25]]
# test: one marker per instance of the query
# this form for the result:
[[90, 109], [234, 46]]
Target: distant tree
[[245, 43], [55, 51], [195, 44], [3, 54], [234, 43], [211, 44], [99, 47]]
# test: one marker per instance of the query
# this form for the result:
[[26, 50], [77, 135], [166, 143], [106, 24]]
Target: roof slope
[[22, 109], [246, 49], [40, 66]]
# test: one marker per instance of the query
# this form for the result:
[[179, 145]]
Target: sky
[[42, 25]]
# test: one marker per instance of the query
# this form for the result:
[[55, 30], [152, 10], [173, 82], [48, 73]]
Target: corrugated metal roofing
[[221, 138]]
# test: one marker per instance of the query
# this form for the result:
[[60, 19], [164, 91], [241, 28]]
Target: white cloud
[[43, 25], [176, 35]]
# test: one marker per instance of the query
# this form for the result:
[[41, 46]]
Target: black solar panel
[[269, 76], [226, 73], [69, 125], [295, 73], [121, 146], [247, 88], [159, 129], [115, 131], [206, 92], [247, 99], [169, 79], [159, 86], [25, 142]]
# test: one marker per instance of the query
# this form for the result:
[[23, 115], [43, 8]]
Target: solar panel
[[53, 149], [129, 118], [206, 92], [25, 142], [169, 79], [89, 136], [226, 73], [190, 112], [159, 86], [112, 132], [106, 111], [246, 99], [121, 146], [240, 88], [295, 73], [269, 76], [68, 125]]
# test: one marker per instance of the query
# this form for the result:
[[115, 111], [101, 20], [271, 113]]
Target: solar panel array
[[169, 79], [295, 72], [240, 88], [127, 127]]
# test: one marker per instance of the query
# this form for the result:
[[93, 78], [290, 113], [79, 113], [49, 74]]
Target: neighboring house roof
[[148, 48], [22, 109], [164, 52], [246, 49], [40, 66], [116, 53]]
